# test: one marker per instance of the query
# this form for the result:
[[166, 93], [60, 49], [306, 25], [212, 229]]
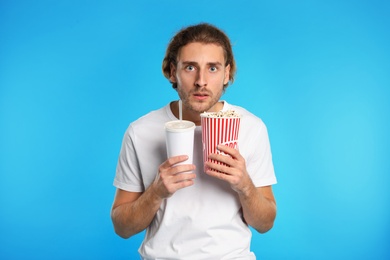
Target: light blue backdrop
[[74, 74]]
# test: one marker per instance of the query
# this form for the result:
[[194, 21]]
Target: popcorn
[[227, 113], [219, 128]]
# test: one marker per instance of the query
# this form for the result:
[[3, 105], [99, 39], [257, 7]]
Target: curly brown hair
[[203, 33]]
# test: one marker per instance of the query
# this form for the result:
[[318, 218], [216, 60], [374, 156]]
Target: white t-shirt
[[203, 221]]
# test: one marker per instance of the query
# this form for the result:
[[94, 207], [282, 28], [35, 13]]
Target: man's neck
[[192, 116]]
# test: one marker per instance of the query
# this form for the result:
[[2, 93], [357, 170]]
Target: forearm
[[133, 217], [258, 210]]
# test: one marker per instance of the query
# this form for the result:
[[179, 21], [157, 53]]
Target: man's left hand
[[233, 170]]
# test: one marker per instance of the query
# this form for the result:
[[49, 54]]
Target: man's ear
[[227, 75], [172, 77]]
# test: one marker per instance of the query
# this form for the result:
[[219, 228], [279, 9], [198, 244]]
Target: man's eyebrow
[[189, 62], [216, 63]]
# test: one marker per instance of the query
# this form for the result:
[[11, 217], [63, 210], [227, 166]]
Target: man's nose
[[201, 79]]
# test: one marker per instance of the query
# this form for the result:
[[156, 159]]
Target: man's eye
[[213, 69], [190, 68]]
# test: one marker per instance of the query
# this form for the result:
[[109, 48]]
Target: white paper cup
[[216, 131], [180, 139]]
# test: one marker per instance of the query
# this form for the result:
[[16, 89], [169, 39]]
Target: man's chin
[[200, 107]]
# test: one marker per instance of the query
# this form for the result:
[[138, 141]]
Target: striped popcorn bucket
[[216, 131]]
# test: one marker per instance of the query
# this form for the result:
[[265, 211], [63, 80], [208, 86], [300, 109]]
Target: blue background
[[74, 74]]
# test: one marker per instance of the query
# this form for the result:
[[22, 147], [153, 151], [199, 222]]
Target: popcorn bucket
[[217, 130]]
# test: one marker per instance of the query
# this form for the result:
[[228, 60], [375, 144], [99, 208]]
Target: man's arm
[[258, 204], [132, 212], [259, 207], [129, 213]]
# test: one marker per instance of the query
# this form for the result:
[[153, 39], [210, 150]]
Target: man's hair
[[202, 33]]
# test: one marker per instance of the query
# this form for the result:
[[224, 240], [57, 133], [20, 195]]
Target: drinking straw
[[180, 110]]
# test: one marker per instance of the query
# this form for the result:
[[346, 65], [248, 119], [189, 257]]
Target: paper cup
[[218, 131], [180, 139]]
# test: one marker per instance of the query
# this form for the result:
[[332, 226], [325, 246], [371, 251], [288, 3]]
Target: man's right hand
[[172, 177], [133, 212]]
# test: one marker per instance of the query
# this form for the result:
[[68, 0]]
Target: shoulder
[[149, 124], [248, 119], [155, 118]]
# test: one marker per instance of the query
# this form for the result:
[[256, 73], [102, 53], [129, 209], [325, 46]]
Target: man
[[196, 215]]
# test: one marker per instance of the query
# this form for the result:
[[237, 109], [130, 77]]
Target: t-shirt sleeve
[[260, 165], [128, 174]]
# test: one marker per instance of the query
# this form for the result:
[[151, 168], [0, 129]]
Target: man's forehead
[[197, 50]]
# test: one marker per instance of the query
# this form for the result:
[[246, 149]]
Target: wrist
[[247, 190], [154, 193]]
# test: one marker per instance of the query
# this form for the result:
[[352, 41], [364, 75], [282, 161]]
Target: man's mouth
[[201, 96]]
